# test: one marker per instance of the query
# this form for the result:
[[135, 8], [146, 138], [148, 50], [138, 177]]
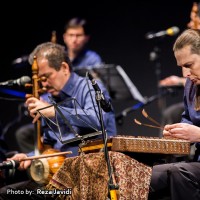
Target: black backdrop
[[118, 36]]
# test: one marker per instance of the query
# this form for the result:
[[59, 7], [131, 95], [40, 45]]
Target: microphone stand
[[155, 58], [112, 188]]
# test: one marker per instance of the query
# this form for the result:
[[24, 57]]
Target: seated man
[[61, 84], [76, 36], [181, 180]]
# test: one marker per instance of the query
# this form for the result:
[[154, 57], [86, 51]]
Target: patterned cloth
[[87, 177]]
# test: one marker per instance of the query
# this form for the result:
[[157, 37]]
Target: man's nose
[[186, 72], [44, 84], [188, 75]]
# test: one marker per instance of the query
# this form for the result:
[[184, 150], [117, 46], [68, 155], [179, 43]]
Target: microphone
[[20, 81], [170, 31], [105, 104], [10, 164]]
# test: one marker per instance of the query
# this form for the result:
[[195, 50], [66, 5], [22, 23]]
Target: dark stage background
[[118, 36]]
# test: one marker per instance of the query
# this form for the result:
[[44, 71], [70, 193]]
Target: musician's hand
[[172, 81], [23, 164], [34, 104], [184, 131]]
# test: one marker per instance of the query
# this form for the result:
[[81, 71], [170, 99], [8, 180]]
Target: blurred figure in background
[[172, 114], [76, 37]]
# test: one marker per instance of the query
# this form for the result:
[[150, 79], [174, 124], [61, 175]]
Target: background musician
[[76, 36], [172, 114], [61, 83], [182, 180]]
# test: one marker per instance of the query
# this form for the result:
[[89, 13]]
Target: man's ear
[[65, 67], [87, 38]]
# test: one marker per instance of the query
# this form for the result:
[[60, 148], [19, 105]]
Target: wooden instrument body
[[150, 151], [141, 144], [150, 145], [42, 170]]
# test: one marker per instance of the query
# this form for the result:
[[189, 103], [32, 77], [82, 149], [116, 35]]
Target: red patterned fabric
[[87, 176]]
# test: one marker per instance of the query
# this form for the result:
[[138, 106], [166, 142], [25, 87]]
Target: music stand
[[58, 130], [115, 79]]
